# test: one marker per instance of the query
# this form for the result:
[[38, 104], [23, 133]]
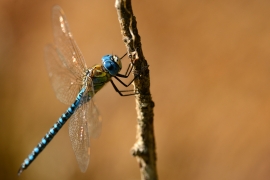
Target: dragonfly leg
[[128, 71], [124, 84], [120, 92]]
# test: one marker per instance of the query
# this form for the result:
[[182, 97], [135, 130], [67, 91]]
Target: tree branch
[[144, 148]]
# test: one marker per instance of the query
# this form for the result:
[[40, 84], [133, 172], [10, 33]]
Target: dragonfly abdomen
[[51, 133]]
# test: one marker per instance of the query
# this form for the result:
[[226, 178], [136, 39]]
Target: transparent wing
[[79, 136], [64, 42], [94, 120], [84, 124], [65, 84], [93, 117]]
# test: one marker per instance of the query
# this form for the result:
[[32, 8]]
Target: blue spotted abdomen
[[52, 132]]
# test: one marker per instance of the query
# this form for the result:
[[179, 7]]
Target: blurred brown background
[[210, 80]]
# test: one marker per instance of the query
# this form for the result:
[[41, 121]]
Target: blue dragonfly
[[76, 84]]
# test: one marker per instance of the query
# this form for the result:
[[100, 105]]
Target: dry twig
[[144, 148]]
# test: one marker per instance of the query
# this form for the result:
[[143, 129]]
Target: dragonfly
[[76, 84]]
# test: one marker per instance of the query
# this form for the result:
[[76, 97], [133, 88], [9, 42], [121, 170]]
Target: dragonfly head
[[112, 64]]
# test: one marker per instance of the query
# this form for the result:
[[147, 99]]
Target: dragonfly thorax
[[112, 64]]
